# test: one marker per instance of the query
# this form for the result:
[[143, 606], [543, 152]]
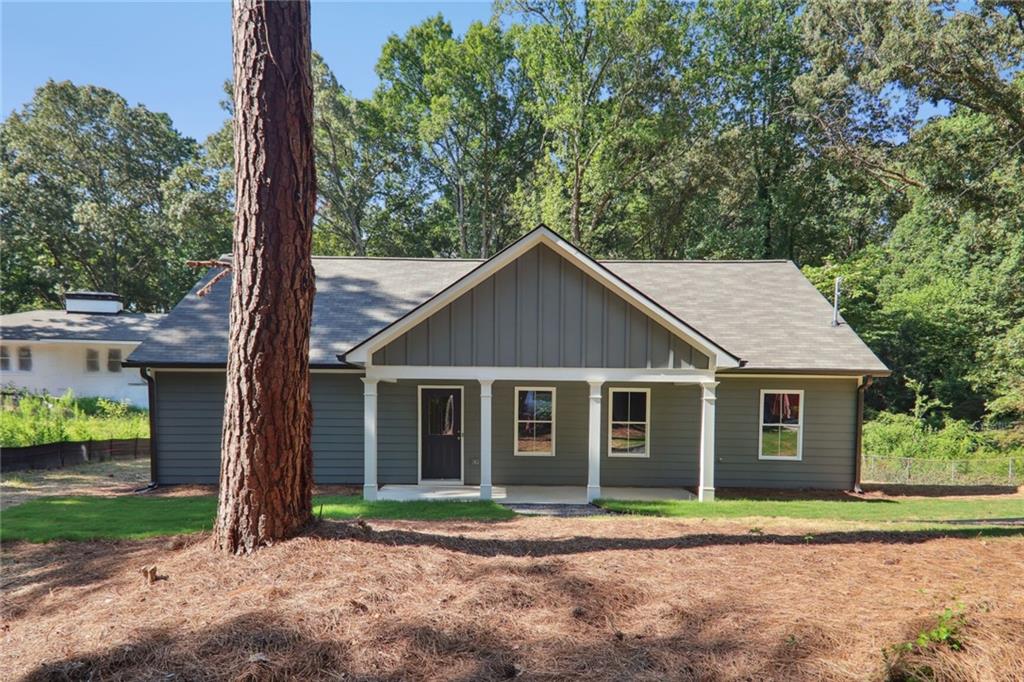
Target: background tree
[[266, 478], [82, 197]]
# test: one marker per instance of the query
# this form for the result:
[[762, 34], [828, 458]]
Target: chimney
[[835, 301], [92, 302]]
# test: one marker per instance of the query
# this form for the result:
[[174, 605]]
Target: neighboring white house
[[80, 347]]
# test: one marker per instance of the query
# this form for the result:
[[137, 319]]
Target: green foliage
[[947, 633], [38, 419], [903, 435]]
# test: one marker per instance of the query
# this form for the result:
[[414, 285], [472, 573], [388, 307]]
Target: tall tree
[[266, 454], [82, 197]]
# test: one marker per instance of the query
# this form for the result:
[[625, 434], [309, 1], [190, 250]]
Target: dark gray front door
[[441, 421]]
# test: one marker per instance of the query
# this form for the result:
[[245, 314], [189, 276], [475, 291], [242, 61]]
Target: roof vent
[[94, 302]]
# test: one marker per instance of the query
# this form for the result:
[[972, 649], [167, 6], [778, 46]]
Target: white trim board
[[537, 374], [419, 435], [363, 352]]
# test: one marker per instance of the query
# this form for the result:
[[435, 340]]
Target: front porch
[[528, 494]]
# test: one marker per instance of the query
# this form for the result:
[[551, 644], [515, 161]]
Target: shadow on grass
[[489, 547]]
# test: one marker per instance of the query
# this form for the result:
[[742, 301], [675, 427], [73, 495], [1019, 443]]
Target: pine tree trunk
[[266, 456]]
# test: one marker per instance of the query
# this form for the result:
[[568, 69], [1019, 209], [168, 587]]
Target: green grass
[[132, 518], [912, 510]]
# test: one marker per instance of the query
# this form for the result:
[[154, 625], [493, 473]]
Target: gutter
[[151, 384], [859, 432]]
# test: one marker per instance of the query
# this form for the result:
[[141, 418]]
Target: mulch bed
[[533, 598]]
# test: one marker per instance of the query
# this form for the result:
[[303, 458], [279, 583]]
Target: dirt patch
[[532, 598], [116, 477]]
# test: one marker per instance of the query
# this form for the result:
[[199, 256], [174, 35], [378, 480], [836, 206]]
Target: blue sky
[[175, 56]]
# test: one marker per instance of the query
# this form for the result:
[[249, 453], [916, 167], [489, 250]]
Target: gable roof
[[541, 235], [763, 312], [59, 325]]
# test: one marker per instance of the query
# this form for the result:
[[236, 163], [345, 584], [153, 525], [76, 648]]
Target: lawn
[[915, 510], [136, 517]]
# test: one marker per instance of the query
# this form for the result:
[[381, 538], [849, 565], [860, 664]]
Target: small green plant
[[947, 633]]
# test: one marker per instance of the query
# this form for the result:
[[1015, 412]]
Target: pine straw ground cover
[[533, 598]]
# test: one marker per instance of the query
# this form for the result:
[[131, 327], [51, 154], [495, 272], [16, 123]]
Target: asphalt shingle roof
[[58, 325], [764, 312]]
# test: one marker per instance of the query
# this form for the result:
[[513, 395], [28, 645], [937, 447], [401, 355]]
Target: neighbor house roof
[[59, 325], [765, 313]]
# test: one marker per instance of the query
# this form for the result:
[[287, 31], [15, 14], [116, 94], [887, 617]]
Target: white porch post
[[706, 490], [370, 439], [485, 438], [594, 443]]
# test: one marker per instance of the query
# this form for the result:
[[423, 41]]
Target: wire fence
[[915, 471]]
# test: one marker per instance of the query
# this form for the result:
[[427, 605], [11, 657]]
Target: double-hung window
[[629, 422], [113, 359], [782, 423], [25, 359], [535, 422], [5, 359], [92, 360]]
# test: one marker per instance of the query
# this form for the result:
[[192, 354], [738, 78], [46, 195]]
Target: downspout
[[858, 447], [151, 384]]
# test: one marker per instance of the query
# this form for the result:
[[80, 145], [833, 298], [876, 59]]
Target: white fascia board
[[362, 353], [94, 342], [538, 374]]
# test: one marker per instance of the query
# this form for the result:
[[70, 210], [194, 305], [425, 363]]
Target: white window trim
[[647, 423], [800, 426], [515, 420]]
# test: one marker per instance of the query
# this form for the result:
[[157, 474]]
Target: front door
[[441, 434]]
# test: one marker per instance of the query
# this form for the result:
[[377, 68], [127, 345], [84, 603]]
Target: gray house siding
[[189, 410], [674, 432], [829, 424], [398, 429], [189, 406], [541, 311]]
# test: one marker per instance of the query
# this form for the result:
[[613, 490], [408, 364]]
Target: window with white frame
[[113, 359], [781, 435], [25, 359], [535, 421], [629, 422], [5, 359], [92, 360]]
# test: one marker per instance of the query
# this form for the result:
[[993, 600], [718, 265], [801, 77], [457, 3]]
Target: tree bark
[[266, 456]]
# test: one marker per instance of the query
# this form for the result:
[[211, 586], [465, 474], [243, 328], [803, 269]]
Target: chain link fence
[[915, 471]]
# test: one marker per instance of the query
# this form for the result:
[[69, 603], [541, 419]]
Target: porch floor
[[528, 494]]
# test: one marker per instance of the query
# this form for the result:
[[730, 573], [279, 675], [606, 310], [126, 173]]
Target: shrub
[[901, 435], [30, 419]]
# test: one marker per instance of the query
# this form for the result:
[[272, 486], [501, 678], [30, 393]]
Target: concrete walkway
[[528, 494]]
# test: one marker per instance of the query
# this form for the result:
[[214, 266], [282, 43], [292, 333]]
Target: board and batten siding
[[189, 411], [829, 424], [541, 311]]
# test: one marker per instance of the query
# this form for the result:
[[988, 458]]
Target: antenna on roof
[[835, 302]]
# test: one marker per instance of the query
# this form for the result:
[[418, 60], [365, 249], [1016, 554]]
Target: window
[[92, 360], [781, 425], [25, 359], [113, 359], [535, 422], [5, 359], [629, 424]]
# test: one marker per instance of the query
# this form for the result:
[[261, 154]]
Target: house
[[542, 367], [79, 348]]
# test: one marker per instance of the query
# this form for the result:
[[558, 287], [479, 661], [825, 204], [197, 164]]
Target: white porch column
[[370, 439], [706, 490], [485, 438], [594, 443]]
